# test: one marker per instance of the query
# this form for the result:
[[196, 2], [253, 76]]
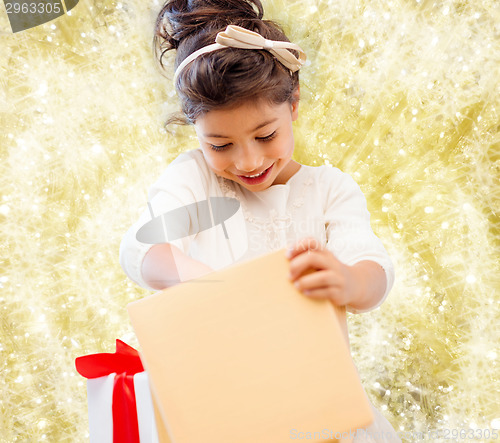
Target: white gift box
[[100, 407]]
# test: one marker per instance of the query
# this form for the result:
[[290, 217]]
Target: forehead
[[246, 117]]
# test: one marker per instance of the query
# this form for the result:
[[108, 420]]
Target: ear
[[295, 103]]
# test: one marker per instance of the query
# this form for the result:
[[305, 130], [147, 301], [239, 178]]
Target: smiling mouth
[[254, 179], [255, 175]]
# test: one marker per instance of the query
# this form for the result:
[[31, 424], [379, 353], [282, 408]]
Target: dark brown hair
[[226, 77]]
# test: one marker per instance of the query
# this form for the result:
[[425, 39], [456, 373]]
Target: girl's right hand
[[165, 265]]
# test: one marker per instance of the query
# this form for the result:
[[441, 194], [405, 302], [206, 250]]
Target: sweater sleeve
[[348, 231], [181, 185]]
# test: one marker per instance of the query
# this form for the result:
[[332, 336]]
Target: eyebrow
[[268, 122]]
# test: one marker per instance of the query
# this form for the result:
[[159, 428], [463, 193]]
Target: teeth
[[256, 175]]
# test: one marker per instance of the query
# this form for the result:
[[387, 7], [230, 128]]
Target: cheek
[[286, 145], [216, 162]]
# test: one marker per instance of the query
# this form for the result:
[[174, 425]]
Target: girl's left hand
[[325, 276]]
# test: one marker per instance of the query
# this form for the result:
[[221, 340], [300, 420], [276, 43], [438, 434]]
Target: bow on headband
[[238, 37]]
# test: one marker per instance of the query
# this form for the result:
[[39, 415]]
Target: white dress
[[320, 202]]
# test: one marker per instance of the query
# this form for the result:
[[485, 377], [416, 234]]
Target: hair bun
[[221, 78], [179, 19]]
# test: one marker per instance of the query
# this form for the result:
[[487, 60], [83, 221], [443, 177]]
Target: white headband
[[237, 37]]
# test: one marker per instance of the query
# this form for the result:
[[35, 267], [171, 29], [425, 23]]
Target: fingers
[[323, 284], [319, 293], [303, 245], [315, 271], [308, 255], [318, 279], [316, 260]]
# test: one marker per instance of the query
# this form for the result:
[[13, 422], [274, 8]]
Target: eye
[[219, 148], [267, 137]]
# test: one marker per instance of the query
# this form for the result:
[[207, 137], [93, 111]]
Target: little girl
[[237, 78]]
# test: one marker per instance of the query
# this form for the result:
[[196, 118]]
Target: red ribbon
[[125, 362]]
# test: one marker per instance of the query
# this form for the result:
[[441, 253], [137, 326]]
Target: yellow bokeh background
[[404, 95]]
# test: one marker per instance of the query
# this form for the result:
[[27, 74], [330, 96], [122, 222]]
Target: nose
[[248, 159]]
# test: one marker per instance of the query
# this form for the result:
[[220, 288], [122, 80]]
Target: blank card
[[240, 355]]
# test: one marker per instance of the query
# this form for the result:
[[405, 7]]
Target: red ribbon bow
[[125, 362]]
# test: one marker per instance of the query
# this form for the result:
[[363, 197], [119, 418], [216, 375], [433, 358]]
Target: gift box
[[240, 355], [121, 409]]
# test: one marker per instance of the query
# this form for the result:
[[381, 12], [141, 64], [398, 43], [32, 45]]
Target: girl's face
[[248, 140]]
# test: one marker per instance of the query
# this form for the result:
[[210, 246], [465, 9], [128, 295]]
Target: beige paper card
[[240, 355]]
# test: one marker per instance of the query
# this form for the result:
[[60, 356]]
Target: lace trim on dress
[[275, 226]]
